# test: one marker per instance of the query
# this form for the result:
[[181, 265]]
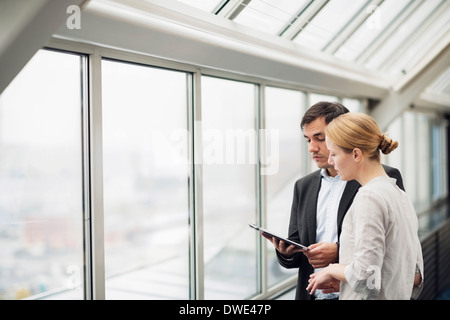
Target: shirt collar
[[326, 176]]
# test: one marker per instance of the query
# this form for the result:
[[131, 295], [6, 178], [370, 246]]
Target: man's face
[[314, 134]]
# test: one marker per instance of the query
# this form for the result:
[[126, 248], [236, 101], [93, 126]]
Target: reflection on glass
[[229, 188], [145, 182], [270, 16], [328, 22], [284, 110], [41, 213]]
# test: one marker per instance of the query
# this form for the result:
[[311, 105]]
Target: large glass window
[[146, 175], [229, 188], [283, 113], [41, 200]]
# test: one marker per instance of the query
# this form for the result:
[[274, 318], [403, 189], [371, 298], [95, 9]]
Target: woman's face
[[343, 162]]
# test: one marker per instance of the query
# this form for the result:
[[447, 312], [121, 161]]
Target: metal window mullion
[[261, 256], [95, 164], [87, 252], [232, 9], [196, 226]]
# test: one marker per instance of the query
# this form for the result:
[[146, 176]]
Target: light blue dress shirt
[[330, 194]]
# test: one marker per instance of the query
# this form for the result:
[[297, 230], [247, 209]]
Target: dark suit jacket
[[302, 225]]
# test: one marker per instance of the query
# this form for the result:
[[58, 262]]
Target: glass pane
[[401, 34], [41, 201], [395, 158], [317, 97], [353, 105], [229, 188], [423, 149], [439, 161], [270, 16], [145, 182], [381, 17], [410, 153], [419, 48], [328, 22], [284, 110]]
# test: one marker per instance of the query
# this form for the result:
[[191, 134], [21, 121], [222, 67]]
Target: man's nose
[[313, 147]]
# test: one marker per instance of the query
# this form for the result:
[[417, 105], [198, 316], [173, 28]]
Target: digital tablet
[[298, 245]]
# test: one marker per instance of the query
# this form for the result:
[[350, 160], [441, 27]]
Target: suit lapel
[[347, 198], [311, 207]]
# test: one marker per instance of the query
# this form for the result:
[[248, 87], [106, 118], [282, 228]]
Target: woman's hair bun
[[387, 145]]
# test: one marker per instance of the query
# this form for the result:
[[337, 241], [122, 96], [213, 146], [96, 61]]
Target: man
[[319, 205]]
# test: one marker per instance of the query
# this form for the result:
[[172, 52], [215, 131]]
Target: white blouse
[[380, 245]]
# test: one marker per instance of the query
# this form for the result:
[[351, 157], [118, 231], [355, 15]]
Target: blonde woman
[[380, 255]]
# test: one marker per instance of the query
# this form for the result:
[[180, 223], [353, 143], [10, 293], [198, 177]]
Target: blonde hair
[[359, 130]]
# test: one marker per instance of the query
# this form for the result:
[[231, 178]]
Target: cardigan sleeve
[[363, 274]]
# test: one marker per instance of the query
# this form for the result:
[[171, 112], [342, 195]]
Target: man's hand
[[286, 250], [322, 254]]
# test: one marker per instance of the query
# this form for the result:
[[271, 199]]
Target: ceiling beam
[[397, 101], [159, 29], [27, 26]]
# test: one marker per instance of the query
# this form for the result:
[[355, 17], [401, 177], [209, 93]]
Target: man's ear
[[357, 155]]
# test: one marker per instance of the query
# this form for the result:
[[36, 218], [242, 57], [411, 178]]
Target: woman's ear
[[357, 155]]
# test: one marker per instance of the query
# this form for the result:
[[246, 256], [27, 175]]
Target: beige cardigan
[[380, 245]]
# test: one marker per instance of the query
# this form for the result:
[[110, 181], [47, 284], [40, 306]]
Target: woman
[[380, 255]]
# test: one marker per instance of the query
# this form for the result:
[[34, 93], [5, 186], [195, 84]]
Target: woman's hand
[[327, 279]]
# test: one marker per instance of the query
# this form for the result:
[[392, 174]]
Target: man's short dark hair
[[328, 110]]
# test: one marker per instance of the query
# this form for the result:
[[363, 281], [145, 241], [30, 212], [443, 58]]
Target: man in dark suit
[[319, 205]]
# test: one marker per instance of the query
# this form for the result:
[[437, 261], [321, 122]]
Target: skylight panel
[[328, 23], [406, 30], [270, 16], [437, 26], [380, 18]]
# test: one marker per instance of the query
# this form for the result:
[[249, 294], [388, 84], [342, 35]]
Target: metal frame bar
[[350, 28], [197, 259], [305, 16], [96, 177]]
